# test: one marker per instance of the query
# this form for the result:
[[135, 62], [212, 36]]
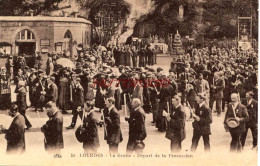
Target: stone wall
[[52, 31]]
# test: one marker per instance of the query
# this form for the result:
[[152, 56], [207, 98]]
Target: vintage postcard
[[129, 82]]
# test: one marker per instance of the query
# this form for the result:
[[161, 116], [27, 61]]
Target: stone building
[[27, 34]]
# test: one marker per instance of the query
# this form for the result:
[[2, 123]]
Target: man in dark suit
[[252, 109], [149, 53], [239, 112], [165, 97], [172, 79], [78, 102], [20, 77], [137, 130], [51, 90], [90, 130], [21, 102], [201, 125], [53, 129], [15, 134], [155, 89], [217, 92], [84, 81], [112, 120], [20, 62], [147, 106], [40, 84], [137, 91], [124, 81], [176, 119], [116, 54], [142, 60]]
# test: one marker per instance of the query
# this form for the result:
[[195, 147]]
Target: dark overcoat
[[241, 112], [137, 130], [53, 132], [112, 120], [203, 126], [15, 135]]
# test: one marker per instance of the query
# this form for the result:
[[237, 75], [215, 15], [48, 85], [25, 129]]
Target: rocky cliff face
[[138, 9], [207, 18], [165, 18]]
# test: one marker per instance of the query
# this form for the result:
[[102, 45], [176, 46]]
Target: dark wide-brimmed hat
[[80, 134], [159, 69]]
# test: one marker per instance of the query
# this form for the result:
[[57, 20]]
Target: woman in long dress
[[32, 88], [129, 55], [100, 82], [49, 66], [5, 90], [122, 57], [64, 93]]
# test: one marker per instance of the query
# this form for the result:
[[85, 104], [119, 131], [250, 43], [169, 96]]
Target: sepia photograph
[[129, 82]]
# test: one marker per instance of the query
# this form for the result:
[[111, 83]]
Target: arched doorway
[[67, 43], [25, 42]]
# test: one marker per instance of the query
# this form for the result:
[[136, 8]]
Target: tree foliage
[[211, 19], [95, 6], [22, 7], [222, 12], [165, 16]]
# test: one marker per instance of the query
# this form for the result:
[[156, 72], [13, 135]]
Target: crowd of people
[[196, 81]]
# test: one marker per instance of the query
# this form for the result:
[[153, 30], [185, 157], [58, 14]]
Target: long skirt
[[99, 100], [122, 59], [32, 91], [64, 98], [118, 100]]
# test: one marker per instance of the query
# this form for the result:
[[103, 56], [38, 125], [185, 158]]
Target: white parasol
[[65, 62]]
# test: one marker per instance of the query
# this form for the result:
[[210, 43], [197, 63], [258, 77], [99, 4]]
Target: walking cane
[[102, 113], [185, 84], [105, 128], [213, 92], [168, 111], [239, 99], [155, 88], [83, 115], [71, 93], [125, 104]]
